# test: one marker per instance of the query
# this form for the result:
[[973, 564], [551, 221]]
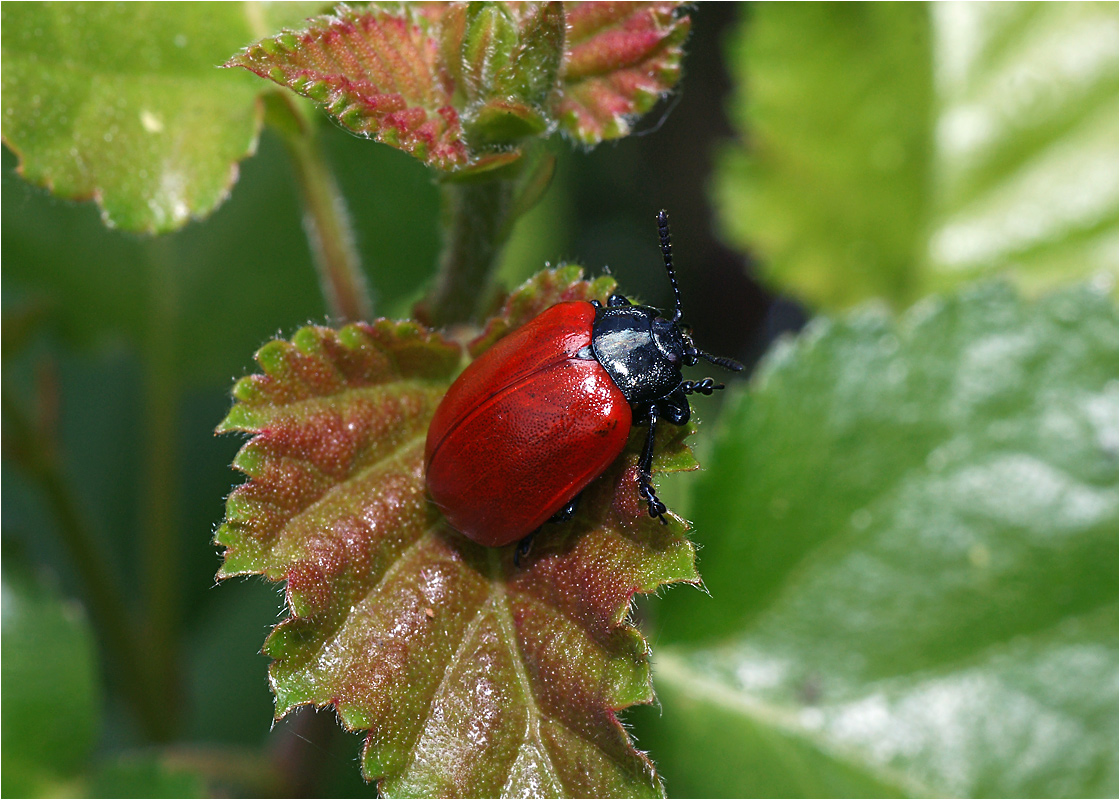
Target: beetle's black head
[[643, 351]]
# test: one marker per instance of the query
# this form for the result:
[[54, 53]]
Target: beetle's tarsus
[[568, 511], [705, 387], [523, 548], [645, 468]]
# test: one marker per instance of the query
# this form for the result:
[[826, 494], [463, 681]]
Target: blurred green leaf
[[891, 150], [145, 777], [123, 103], [469, 673], [916, 585], [97, 285], [52, 702]]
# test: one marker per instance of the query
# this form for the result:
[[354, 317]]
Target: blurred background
[[119, 352]]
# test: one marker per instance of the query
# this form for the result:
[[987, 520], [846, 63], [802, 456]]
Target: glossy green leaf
[[122, 103], [910, 547], [891, 150], [469, 674], [51, 694]]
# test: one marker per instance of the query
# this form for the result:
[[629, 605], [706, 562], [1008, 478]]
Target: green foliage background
[[908, 518]]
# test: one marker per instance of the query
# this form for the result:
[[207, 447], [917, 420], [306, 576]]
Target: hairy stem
[[326, 218], [132, 664], [477, 220]]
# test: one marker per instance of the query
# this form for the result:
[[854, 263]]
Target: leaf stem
[[237, 768], [326, 218], [477, 220], [106, 604], [159, 499]]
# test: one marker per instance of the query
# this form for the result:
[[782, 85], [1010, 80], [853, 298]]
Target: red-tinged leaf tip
[[377, 71], [470, 674], [620, 58]]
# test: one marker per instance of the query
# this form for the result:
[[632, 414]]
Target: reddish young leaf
[[377, 71], [471, 675], [460, 86], [620, 59]]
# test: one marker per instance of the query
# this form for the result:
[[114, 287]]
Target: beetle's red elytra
[[529, 424]]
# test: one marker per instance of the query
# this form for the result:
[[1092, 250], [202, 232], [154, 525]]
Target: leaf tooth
[[309, 591], [270, 47], [289, 42], [250, 460], [240, 509], [362, 360], [320, 91], [248, 389], [273, 358], [309, 340]]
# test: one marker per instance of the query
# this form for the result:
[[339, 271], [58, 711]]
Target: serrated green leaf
[[470, 674], [51, 700], [123, 104], [892, 150], [913, 538]]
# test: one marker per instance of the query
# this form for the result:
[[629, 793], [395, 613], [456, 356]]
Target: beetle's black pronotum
[[643, 353]]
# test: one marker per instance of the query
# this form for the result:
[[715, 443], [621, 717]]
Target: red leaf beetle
[[540, 415]]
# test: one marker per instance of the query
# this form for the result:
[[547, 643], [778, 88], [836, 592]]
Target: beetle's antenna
[[667, 254], [720, 361]]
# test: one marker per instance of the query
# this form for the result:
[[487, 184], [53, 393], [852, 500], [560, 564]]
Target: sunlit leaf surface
[[470, 674], [914, 586], [891, 150], [122, 103]]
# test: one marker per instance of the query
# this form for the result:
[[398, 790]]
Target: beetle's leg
[[563, 515], [674, 407], [523, 548], [568, 511], [706, 386], [617, 300], [645, 467]]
